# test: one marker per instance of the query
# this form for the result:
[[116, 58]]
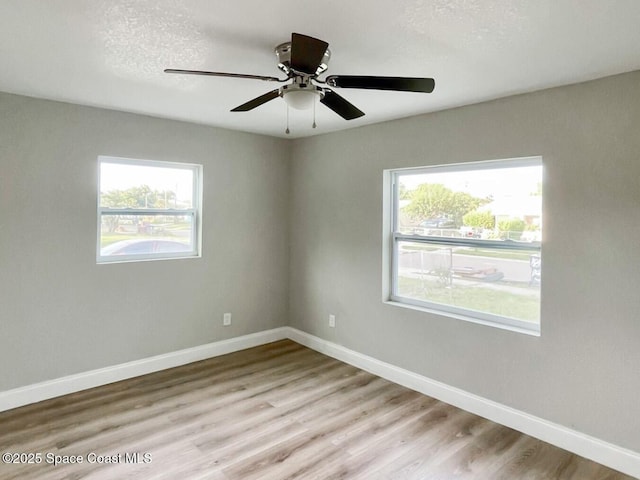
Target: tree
[[134, 197], [403, 193], [510, 227], [138, 197], [479, 219], [433, 200]]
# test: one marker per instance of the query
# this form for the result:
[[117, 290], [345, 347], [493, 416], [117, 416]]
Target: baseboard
[[608, 454], [37, 392], [613, 456]]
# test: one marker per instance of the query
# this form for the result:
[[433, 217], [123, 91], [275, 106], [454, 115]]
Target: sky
[[499, 183], [118, 176]]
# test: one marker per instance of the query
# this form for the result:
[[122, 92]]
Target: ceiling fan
[[302, 60]]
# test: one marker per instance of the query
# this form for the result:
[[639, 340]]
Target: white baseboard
[[613, 456], [37, 392]]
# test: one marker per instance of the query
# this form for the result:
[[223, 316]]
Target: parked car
[[438, 223], [471, 232], [435, 226], [141, 246], [531, 236]]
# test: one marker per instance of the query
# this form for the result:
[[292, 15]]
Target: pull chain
[[287, 131], [314, 114]]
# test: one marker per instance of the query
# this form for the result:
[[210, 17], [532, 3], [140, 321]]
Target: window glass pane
[[487, 203], [145, 186], [498, 282], [147, 210], [145, 234]]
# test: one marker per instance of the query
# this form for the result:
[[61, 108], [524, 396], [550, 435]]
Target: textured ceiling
[[111, 53]]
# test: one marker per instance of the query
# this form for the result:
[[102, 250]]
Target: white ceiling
[[111, 53]]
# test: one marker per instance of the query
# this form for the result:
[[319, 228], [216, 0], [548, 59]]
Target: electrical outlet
[[332, 321], [226, 319]]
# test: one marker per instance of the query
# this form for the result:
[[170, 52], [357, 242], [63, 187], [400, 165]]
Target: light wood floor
[[276, 412]]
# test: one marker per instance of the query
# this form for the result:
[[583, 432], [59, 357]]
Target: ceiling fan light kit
[[302, 60], [301, 96]]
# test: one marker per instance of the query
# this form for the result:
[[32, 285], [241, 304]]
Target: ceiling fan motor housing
[[283, 53]]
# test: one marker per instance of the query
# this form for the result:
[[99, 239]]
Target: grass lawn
[[481, 297]]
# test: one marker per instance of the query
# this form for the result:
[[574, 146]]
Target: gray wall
[[583, 370], [60, 313]]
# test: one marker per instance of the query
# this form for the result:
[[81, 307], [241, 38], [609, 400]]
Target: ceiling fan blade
[[256, 102], [342, 107], [223, 74], [306, 53], [402, 84]]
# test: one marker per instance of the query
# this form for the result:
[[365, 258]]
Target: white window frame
[[394, 237], [195, 212]]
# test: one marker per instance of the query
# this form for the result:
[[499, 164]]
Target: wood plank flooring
[[275, 412]]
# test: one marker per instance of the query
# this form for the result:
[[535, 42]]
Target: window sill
[[132, 259], [534, 331]]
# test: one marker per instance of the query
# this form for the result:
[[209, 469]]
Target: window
[[147, 210], [465, 240]]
